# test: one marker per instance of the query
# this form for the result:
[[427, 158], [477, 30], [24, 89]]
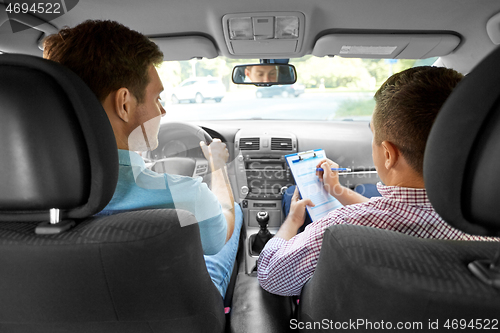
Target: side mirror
[[264, 74]]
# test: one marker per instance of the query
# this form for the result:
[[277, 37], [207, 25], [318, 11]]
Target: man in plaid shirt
[[406, 106]]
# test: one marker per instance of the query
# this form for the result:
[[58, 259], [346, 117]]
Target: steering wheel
[[194, 163]]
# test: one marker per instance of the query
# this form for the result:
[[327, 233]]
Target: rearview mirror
[[264, 74]]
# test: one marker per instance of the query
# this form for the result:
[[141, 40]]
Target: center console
[[262, 175]]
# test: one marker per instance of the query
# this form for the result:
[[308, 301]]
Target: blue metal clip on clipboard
[[303, 168]]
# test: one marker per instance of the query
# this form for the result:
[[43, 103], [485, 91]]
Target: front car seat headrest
[[57, 146], [462, 156]]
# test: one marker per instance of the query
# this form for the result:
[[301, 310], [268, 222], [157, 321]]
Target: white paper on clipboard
[[303, 168]]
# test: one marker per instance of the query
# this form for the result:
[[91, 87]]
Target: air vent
[[281, 144], [249, 143]]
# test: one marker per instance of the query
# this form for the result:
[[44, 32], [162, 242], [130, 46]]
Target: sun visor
[[186, 47], [397, 46], [23, 32]]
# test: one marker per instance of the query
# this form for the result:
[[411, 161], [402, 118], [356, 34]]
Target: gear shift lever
[[258, 241]]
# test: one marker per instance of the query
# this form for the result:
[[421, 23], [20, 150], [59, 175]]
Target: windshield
[[326, 89]]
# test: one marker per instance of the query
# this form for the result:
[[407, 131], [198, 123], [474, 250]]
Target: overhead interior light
[[287, 27], [263, 27], [240, 28], [275, 34]]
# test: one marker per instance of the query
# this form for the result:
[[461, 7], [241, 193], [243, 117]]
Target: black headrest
[[239, 74], [57, 146], [462, 157]]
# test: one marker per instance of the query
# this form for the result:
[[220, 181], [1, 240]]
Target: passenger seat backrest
[[130, 272], [462, 158]]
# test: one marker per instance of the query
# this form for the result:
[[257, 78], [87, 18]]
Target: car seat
[[239, 74], [368, 190], [373, 277], [136, 271]]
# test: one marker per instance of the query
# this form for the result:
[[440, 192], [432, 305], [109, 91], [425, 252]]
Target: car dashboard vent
[[249, 143], [281, 144]]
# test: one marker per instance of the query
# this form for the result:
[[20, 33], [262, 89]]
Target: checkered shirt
[[285, 266]]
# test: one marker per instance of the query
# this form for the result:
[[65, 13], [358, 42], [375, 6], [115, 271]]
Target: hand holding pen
[[327, 171]]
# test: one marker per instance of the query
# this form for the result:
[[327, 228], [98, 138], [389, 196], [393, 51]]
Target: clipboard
[[303, 168]]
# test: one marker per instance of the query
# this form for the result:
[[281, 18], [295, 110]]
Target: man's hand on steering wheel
[[216, 154]]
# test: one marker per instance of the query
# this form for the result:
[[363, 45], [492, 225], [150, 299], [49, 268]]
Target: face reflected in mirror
[[262, 73]]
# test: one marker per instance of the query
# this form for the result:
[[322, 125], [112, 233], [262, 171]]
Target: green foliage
[[170, 73], [333, 73], [381, 70]]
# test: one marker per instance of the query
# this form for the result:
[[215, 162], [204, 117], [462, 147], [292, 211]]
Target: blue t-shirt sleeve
[[193, 195], [213, 229]]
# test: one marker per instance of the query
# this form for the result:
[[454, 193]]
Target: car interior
[[66, 269]]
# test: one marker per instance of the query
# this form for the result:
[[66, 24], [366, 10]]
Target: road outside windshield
[[327, 89]]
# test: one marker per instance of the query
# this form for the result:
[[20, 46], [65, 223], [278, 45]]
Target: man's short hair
[[106, 55], [407, 105]]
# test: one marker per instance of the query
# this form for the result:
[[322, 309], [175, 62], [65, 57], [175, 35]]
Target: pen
[[336, 169]]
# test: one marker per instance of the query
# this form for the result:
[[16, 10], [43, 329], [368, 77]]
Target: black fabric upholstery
[[138, 271], [462, 156], [375, 274], [52, 121]]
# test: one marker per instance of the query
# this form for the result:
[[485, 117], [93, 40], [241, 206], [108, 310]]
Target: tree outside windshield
[[326, 89]]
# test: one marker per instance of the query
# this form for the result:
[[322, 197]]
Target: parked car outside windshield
[[293, 90], [199, 90]]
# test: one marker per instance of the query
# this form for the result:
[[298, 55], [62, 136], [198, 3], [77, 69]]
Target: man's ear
[[391, 154], [123, 104]]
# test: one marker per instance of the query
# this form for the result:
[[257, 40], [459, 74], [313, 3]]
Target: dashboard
[[257, 167]]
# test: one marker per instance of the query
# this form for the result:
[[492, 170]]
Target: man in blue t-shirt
[[118, 64]]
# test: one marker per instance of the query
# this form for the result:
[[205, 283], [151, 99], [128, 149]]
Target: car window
[[326, 89]]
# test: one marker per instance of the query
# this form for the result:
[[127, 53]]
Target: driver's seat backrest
[[377, 275], [130, 272]]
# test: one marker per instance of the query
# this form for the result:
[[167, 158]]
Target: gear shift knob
[[262, 219]]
